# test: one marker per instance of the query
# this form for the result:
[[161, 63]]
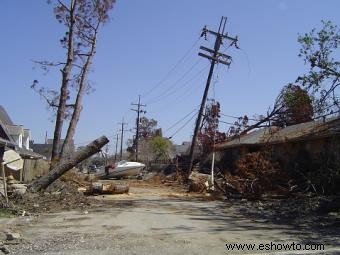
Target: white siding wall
[[26, 139], [17, 139]]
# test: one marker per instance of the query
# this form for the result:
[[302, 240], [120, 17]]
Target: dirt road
[[163, 221]]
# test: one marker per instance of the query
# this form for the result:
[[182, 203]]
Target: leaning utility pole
[[121, 138], [138, 110], [215, 57]]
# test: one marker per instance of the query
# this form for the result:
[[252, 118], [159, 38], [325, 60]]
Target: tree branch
[[63, 5]]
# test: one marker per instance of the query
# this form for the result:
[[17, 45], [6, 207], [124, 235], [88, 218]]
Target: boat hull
[[120, 173], [124, 169]]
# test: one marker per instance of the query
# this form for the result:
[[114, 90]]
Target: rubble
[[57, 197], [199, 182], [15, 187], [4, 249], [255, 175], [10, 236], [71, 191]]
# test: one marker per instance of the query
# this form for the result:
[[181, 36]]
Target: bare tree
[[93, 16], [82, 19]]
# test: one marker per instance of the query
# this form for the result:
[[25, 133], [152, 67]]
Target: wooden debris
[[98, 188], [198, 182]]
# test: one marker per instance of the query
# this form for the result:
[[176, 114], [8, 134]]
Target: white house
[[20, 135]]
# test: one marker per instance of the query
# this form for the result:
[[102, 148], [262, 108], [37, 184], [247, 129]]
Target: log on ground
[[92, 148], [98, 188]]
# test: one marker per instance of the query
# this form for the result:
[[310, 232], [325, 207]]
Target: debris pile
[[15, 187], [71, 191], [12, 186], [255, 175], [90, 185], [199, 182], [258, 174], [164, 176], [60, 195]]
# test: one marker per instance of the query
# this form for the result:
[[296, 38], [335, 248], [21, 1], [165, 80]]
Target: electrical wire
[[225, 122], [175, 87], [167, 75], [184, 95], [237, 117], [186, 123], [171, 87], [248, 61], [177, 122]]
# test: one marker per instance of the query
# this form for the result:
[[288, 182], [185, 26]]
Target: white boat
[[123, 169]]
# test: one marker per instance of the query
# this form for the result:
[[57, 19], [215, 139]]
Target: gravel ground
[[161, 220]]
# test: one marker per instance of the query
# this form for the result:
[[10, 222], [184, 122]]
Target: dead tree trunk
[[62, 168], [78, 104], [66, 72]]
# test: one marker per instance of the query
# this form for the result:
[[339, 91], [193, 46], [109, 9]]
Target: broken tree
[[82, 20], [92, 148]]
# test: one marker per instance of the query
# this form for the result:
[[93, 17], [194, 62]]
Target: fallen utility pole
[[215, 57], [138, 110]]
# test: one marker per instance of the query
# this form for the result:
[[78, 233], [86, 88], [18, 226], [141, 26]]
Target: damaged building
[[308, 151]]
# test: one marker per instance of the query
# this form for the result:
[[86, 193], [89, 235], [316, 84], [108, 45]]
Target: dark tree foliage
[[147, 130], [320, 51], [239, 127], [147, 127], [292, 106], [295, 107], [209, 135]]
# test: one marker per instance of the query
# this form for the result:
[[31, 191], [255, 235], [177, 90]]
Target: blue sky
[[136, 50]]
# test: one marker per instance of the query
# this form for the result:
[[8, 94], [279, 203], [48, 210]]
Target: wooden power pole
[[122, 138], [138, 110], [215, 57], [116, 147]]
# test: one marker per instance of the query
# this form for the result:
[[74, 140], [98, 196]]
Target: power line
[[181, 78], [184, 94], [172, 69], [186, 123], [237, 117], [225, 122], [162, 97], [179, 121]]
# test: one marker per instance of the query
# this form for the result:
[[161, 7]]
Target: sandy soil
[[163, 220]]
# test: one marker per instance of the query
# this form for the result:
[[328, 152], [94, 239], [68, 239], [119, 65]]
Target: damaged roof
[[4, 117], [273, 135], [24, 153], [5, 138]]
